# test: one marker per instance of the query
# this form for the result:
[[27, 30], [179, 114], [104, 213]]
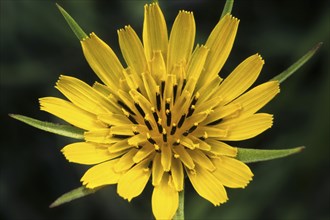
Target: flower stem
[[179, 215]]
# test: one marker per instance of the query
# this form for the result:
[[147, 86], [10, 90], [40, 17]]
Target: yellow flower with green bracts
[[166, 113]]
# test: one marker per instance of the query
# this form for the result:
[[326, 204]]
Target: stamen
[[173, 129], [164, 135], [121, 136], [185, 133], [181, 120], [154, 113], [203, 138], [168, 118], [158, 101], [159, 125], [146, 121], [175, 90], [157, 148], [215, 122], [183, 84], [129, 116], [167, 103], [125, 107], [191, 110], [138, 107], [162, 87], [177, 142], [193, 128], [149, 138]]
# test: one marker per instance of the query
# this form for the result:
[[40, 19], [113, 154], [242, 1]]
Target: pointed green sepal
[[227, 8], [72, 195], [294, 67], [64, 130], [256, 155], [81, 35]]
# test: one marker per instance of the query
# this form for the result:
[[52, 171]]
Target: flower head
[[167, 114]]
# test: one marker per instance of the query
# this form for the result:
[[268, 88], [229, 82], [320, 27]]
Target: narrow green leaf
[[64, 130], [72, 195], [81, 35], [227, 8], [256, 155], [294, 67]]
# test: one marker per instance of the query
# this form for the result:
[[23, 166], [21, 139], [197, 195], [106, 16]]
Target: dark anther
[[193, 128], [160, 127], [183, 85], [185, 133], [125, 107], [121, 136], [181, 120], [215, 122], [191, 111], [168, 118], [148, 124], [152, 141], [132, 119], [177, 142], [138, 107], [173, 129], [167, 104], [175, 90], [164, 136], [158, 101], [155, 116], [162, 87]]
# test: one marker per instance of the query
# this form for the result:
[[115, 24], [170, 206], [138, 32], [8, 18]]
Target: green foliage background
[[37, 46]]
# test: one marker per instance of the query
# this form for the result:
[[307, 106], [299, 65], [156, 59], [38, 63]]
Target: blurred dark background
[[37, 46]]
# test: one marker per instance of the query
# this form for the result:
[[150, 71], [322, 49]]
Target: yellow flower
[[166, 114]]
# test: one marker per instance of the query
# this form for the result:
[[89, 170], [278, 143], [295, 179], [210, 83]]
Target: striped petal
[[86, 153], [155, 36], [165, 199], [83, 95], [103, 61], [207, 185], [220, 42], [181, 40], [177, 174], [231, 172], [70, 113], [243, 76], [132, 49], [132, 183], [100, 175], [256, 98], [241, 129]]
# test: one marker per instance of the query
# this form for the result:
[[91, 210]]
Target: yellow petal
[[243, 76], [231, 172], [154, 31], [126, 161], [177, 174], [101, 136], [100, 175], [157, 170], [70, 113], [221, 148], [199, 157], [220, 42], [181, 40], [185, 158], [86, 153], [196, 63], [166, 156], [207, 185], [165, 199], [132, 50], [113, 119], [256, 98], [132, 183], [241, 129], [120, 146], [143, 153], [83, 95], [103, 61]]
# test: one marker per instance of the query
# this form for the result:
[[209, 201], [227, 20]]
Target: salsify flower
[[167, 114]]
